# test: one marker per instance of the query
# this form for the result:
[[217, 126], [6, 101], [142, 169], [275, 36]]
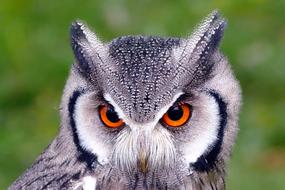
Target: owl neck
[[210, 179]]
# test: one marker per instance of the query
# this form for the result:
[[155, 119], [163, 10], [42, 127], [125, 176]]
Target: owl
[[143, 112]]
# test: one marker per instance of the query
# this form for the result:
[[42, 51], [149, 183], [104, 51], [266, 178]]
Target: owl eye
[[109, 117], [177, 115]]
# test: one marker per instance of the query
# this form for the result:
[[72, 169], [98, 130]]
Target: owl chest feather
[[203, 181]]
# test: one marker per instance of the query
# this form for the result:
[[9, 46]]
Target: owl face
[[152, 110]]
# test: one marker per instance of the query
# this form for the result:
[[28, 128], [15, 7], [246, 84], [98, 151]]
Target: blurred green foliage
[[35, 58]]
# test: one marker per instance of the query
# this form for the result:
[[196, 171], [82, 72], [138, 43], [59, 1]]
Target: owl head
[[153, 112]]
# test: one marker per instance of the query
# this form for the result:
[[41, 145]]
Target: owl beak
[[143, 162]]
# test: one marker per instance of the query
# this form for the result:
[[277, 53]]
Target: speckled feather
[[141, 77], [144, 67]]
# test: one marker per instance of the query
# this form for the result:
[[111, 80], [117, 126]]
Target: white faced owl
[[143, 112]]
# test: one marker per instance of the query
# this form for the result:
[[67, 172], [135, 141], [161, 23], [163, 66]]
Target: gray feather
[[141, 77]]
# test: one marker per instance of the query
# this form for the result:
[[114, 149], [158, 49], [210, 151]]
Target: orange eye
[[177, 115], [109, 117]]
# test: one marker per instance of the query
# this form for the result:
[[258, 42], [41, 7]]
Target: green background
[[35, 58]]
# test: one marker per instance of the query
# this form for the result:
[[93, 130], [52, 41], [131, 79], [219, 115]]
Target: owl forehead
[[140, 48], [142, 83]]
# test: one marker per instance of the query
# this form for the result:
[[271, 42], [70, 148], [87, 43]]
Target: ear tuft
[[86, 47], [77, 29], [208, 34], [195, 52]]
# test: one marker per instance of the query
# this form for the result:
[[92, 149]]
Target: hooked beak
[[143, 162]]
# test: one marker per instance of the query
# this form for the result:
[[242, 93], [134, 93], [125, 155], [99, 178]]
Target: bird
[[144, 113]]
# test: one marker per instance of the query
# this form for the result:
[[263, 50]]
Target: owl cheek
[[201, 150], [89, 129]]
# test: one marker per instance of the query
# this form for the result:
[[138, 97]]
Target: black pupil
[[175, 113], [112, 115]]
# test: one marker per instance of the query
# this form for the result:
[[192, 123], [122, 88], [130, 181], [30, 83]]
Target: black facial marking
[[207, 161], [85, 155]]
